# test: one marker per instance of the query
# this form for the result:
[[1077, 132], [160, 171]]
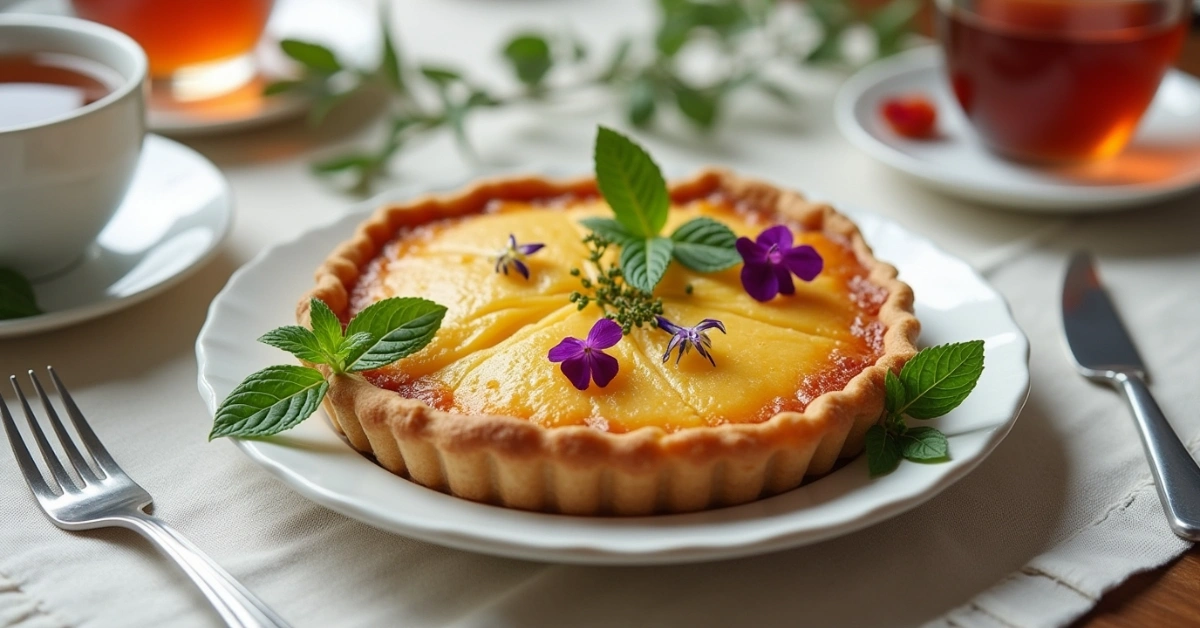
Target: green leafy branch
[[930, 385], [644, 73], [278, 398]]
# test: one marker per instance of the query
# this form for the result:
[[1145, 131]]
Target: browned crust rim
[[489, 458]]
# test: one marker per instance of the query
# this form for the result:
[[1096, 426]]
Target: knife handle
[[1176, 474]]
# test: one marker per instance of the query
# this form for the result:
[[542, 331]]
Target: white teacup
[[63, 178]]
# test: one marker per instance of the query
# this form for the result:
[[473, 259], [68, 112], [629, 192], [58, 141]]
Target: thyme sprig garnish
[[606, 288]]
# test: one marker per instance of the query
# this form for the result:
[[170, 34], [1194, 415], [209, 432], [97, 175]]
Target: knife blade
[[1103, 351], [1098, 340]]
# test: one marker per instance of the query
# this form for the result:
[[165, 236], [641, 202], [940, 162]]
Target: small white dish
[[348, 28], [176, 214], [1162, 160], [953, 302]]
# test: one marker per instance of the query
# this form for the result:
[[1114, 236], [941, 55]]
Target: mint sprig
[[16, 296], [278, 398], [398, 327], [270, 401], [644, 262], [632, 184], [705, 245], [634, 188], [931, 384]]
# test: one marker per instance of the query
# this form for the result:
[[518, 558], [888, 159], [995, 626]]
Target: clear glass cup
[[197, 49], [1058, 80]]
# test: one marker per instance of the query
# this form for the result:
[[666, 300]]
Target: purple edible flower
[[515, 256], [685, 338], [584, 361], [771, 260]]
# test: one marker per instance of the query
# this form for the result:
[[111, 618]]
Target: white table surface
[[1071, 470]]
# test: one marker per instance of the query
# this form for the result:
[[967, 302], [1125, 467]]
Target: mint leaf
[[270, 401], [344, 162], [883, 451], [300, 342], [399, 327], [938, 379], [616, 63], [326, 327], [643, 262], [530, 57], [699, 106], [439, 75], [313, 56], [355, 344], [608, 229], [641, 105], [279, 87], [924, 444], [674, 31], [891, 24], [389, 66], [16, 296], [632, 184], [896, 397], [705, 245]]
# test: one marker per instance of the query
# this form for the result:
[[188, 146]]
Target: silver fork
[[108, 497]]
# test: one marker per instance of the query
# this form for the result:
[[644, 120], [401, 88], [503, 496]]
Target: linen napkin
[[1058, 514]]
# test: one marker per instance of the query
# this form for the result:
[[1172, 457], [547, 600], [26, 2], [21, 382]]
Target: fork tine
[[91, 442], [21, 453], [51, 458], [64, 438]]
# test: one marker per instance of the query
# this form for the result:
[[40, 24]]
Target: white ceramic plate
[[953, 303], [1162, 160], [174, 217]]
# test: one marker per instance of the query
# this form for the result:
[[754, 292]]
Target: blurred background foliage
[[698, 53]]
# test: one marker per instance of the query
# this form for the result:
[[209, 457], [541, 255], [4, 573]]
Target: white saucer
[[953, 302], [1162, 161], [177, 212], [348, 28]]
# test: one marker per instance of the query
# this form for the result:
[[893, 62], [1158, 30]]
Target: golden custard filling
[[490, 355]]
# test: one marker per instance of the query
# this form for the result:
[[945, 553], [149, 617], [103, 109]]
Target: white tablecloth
[[1062, 511]]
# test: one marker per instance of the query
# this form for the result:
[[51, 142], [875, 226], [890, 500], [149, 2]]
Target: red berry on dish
[[910, 116]]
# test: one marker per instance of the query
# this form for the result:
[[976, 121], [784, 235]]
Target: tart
[[481, 413]]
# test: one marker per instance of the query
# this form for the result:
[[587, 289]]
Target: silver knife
[[1104, 352]]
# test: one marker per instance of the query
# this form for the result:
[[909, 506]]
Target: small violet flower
[[584, 360], [515, 256], [685, 338], [771, 260]]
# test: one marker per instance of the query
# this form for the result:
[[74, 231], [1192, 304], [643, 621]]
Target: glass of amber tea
[[1058, 80], [203, 47]]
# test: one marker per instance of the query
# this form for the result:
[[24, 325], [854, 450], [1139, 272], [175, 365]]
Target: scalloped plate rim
[[667, 539]]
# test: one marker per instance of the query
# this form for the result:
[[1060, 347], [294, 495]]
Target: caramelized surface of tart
[[490, 355]]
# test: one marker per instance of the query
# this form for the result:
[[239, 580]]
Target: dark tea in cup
[[36, 87], [1058, 80]]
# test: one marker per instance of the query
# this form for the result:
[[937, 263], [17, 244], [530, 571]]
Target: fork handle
[[236, 605], [1176, 475]]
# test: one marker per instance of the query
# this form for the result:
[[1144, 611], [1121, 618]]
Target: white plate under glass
[[1161, 161]]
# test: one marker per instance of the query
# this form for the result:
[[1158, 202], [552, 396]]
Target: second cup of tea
[[1058, 80]]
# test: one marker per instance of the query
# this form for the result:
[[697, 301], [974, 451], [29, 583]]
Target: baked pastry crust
[[578, 470]]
